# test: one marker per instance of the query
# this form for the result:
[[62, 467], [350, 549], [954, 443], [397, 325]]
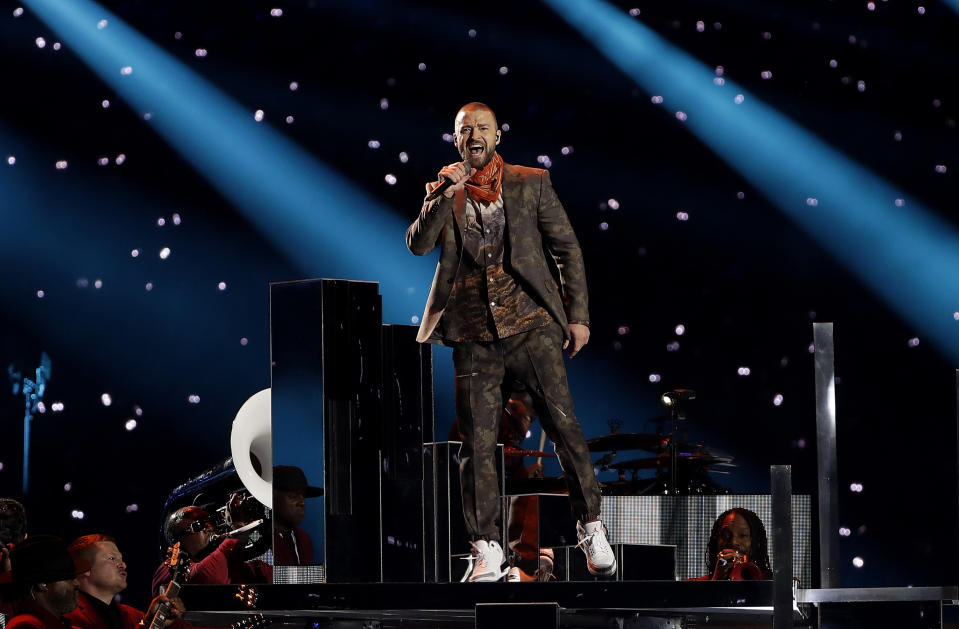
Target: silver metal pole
[[780, 482], [827, 460]]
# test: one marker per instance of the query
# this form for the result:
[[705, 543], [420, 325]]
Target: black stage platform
[[589, 604], [620, 604]]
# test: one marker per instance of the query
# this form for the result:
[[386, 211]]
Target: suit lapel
[[512, 199], [459, 209]]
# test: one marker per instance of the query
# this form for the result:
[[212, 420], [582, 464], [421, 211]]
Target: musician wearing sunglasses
[[216, 559]]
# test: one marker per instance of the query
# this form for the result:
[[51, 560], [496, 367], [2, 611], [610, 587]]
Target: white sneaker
[[486, 562], [600, 560], [513, 576]]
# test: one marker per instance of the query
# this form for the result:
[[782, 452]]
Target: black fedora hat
[[42, 559], [292, 478]]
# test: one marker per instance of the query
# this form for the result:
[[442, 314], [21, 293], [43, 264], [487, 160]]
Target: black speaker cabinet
[[352, 404], [407, 423], [327, 414], [635, 562]]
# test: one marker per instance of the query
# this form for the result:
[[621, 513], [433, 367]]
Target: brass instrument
[[742, 568]]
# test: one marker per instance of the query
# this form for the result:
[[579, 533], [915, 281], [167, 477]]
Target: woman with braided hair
[[737, 548]]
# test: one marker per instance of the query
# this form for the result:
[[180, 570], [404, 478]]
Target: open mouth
[[475, 149]]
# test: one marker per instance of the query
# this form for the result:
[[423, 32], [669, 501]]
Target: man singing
[[508, 311]]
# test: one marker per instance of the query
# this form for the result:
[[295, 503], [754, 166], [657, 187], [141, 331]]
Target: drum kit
[[680, 467]]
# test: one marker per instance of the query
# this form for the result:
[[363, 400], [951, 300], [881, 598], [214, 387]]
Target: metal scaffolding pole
[[827, 460]]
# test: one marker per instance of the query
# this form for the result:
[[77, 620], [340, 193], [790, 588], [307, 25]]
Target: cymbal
[[687, 447], [662, 460], [627, 441], [511, 451]]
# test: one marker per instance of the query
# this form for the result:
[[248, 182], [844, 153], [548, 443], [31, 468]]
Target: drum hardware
[[627, 441], [677, 397], [519, 452], [676, 404], [662, 460], [680, 465]]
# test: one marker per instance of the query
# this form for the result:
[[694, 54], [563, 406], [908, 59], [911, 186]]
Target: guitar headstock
[[257, 621], [247, 595], [178, 560]]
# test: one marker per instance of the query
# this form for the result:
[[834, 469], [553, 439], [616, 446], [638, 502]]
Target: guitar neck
[[163, 610], [172, 590]]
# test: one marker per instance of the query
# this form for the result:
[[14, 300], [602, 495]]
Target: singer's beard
[[477, 165]]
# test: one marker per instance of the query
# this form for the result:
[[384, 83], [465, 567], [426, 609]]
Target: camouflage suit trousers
[[485, 373]]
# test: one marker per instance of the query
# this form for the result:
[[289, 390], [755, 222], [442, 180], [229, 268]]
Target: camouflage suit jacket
[[543, 253]]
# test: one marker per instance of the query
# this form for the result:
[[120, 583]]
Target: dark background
[[744, 280]]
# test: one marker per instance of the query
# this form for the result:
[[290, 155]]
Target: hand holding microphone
[[453, 178]]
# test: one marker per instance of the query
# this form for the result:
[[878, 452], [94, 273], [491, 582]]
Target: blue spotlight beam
[[326, 225], [904, 254]]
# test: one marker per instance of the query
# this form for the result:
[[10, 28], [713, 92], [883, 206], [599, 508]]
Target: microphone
[[447, 182]]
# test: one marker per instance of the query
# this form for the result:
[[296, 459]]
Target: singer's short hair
[[478, 105], [86, 547], [758, 554]]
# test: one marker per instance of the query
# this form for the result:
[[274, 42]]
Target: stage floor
[[582, 604], [621, 604]]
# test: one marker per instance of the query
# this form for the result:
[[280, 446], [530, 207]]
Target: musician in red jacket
[[97, 607], [41, 585], [214, 562], [13, 529]]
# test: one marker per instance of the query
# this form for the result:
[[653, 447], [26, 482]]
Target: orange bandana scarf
[[485, 183]]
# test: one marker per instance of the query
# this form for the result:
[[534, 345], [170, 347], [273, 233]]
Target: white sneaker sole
[[607, 572], [489, 577]]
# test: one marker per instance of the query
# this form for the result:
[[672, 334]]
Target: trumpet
[[742, 569]]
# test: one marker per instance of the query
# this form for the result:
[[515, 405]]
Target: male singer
[[508, 311]]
